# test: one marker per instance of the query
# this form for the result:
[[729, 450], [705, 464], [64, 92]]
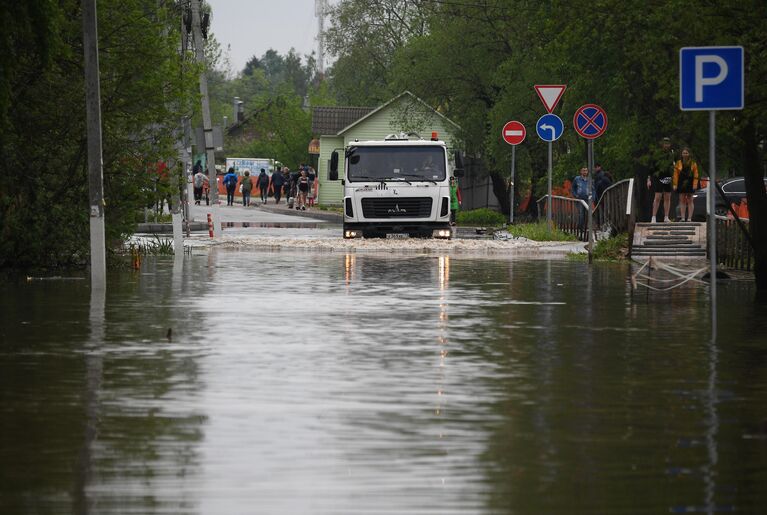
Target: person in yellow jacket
[[685, 181]]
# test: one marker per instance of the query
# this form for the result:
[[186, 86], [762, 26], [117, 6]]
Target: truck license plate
[[397, 235]]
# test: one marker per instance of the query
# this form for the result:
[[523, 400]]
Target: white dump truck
[[397, 187]]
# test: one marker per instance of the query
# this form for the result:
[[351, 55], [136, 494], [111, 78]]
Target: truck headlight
[[348, 234], [441, 233]]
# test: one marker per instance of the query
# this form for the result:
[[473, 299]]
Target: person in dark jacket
[[602, 181], [263, 185], [230, 183], [276, 183]]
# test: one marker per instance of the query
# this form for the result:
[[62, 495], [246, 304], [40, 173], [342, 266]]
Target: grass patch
[[156, 247], [539, 231], [481, 217], [613, 249], [332, 209]]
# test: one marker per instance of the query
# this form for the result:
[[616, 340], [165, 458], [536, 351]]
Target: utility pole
[[199, 48], [320, 7], [95, 164]]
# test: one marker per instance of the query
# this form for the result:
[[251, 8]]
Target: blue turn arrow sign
[[549, 127]]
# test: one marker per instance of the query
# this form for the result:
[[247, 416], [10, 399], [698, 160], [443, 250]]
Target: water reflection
[[351, 383]]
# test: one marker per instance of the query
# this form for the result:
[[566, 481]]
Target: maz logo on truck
[[397, 210]]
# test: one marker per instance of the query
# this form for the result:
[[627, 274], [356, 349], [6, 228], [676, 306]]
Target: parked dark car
[[734, 189]]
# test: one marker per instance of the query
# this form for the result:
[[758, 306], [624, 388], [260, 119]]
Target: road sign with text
[[513, 132], [711, 78]]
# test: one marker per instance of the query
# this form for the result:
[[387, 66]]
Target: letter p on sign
[[711, 78]]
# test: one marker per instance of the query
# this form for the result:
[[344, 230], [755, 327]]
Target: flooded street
[[291, 381]]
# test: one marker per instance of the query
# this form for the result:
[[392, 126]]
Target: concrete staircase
[[670, 240]]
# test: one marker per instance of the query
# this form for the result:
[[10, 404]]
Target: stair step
[[670, 224], [668, 238], [661, 244], [670, 233], [668, 252]]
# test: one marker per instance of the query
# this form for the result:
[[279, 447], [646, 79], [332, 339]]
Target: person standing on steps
[[685, 182], [659, 181]]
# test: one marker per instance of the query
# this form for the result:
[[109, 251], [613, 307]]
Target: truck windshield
[[400, 163]]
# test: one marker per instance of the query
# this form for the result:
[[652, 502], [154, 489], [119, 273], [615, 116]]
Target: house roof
[[387, 104], [328, 121]]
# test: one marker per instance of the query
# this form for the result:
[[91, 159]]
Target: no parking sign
[[590, 121]]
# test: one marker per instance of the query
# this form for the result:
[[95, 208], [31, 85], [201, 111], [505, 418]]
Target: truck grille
[[414, 207]]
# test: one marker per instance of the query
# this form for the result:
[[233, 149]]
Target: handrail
[[563, 198], [613, 185]]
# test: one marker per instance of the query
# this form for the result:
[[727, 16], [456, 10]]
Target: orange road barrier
[[210, 225]]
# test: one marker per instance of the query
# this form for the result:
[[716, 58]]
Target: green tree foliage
[[477, 61], [44, 192], [365, 37], [273, 88], [283, 130]]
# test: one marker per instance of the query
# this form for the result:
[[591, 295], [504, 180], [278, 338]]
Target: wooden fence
[[733, 249]]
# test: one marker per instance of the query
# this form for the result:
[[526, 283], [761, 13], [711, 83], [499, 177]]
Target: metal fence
[[732, 246], [613, 209], [611, 212]]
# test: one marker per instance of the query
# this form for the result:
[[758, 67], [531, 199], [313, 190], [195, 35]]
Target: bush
[[482, 216], [614, 248], [539, 231]]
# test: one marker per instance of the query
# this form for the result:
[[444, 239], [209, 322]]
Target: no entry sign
[[513, 132], [590, 121]]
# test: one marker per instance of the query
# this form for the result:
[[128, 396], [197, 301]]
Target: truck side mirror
[[458, 170], [333, 173]]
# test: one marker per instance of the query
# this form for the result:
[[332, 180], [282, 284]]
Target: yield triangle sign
[[550, 94]]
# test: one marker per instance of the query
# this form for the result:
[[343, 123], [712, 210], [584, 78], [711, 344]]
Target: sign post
[[513, 133], [549, 128], [711, 79], [590, 122]]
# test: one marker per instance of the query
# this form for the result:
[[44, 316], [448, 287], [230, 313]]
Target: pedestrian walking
[[206, 190], [685, 181], [246, 186], [198, 182], [276, 182], [660, 179], [286, 185], [303, 190], [230, 183], [263, 185]]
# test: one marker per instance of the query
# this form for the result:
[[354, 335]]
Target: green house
[[340, 126]]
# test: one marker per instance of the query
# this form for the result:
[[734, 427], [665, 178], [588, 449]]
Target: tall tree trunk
[[757, 206]]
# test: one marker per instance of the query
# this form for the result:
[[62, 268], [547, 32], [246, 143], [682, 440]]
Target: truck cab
[[398, 186]]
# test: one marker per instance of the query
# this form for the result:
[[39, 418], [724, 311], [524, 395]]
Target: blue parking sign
[[711, 78]]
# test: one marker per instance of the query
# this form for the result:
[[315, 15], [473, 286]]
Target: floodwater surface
[[234, 382]]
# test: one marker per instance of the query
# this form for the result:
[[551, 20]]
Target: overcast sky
[[251, 27]]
